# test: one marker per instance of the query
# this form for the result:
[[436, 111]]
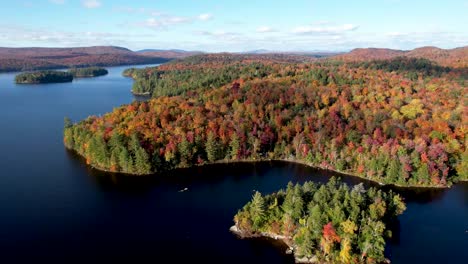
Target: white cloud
[[91, 3], [265, 29], [130, 10], [163, 21], [153, 22], [205, 17], [17, 36], [324, 29], [177, 20], [395, 34], [58, 2], [222, 35]]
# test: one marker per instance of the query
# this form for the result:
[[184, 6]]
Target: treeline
[[43, 77], [88, 72], [176, 82], [374, 124], [410, 67], [325, 223], [181, 76]]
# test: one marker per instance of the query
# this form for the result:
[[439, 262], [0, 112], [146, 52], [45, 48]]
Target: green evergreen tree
[[125, 161], [142, 164], [185, 151], [98, 152], [116, 141], [114, 159], [257, 209], [234, 146], [68, 137], [304, 242], [393, 170], [211, 147], [422, 174]]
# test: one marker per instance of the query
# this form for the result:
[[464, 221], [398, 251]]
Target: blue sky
[[210, 25]]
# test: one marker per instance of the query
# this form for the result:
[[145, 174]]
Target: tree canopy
[[332, 222], [88, 72], [375, 124]]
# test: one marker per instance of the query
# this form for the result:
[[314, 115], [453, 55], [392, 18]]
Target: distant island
[[39, 77], [88, 72], [324, 223]]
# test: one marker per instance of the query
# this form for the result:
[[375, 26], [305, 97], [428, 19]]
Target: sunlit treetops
[[375, 124], [330, 223]]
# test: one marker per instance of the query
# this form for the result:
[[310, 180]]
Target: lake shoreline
[[285, 240], [347, 174], [141, 94]]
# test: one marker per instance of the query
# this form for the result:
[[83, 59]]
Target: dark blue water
[[55, 209]]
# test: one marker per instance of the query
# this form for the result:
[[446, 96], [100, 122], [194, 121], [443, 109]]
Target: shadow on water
[[237, 181], [216, 173]]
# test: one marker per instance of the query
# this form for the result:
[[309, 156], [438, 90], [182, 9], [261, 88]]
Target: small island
[[88, 72], [323, 223], [39, 77]]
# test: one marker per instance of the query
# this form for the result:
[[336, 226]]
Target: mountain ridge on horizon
[[34, 58]]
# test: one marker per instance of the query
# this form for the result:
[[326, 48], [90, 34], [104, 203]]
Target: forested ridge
[[330, 223], [27, 59], [456, 58], [180, 76], [380, 124]]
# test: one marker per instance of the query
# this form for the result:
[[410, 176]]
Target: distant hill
[[164, 50], [21, 59], [457, 57], [259, 51], [314, 54], [169, 54]]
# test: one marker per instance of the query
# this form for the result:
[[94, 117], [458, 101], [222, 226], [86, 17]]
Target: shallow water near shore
[[56, 209]]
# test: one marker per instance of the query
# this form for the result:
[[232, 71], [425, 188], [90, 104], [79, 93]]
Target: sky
[[235, 26]]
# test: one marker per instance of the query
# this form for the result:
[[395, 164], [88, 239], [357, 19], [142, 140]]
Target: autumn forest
[[397, 121]]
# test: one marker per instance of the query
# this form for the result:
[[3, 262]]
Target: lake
[[55, 209]]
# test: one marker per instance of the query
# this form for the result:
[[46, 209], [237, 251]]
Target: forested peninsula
[[403, 125], [324, 223], [39, 77]]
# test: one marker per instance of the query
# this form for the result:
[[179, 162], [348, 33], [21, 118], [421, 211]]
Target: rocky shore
[[286, 240]]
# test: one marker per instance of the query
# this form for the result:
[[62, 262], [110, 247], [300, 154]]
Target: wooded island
[[330, 223], [39, 77]]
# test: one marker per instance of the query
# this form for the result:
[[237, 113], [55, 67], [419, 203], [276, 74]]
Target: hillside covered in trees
[[328, 223], [180, 76], [374, 123], [27, 59], [456, 58]]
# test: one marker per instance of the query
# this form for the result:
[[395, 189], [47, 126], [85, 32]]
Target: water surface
[[55, 209]]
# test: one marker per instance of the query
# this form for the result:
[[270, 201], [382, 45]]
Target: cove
[[56, 209]]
